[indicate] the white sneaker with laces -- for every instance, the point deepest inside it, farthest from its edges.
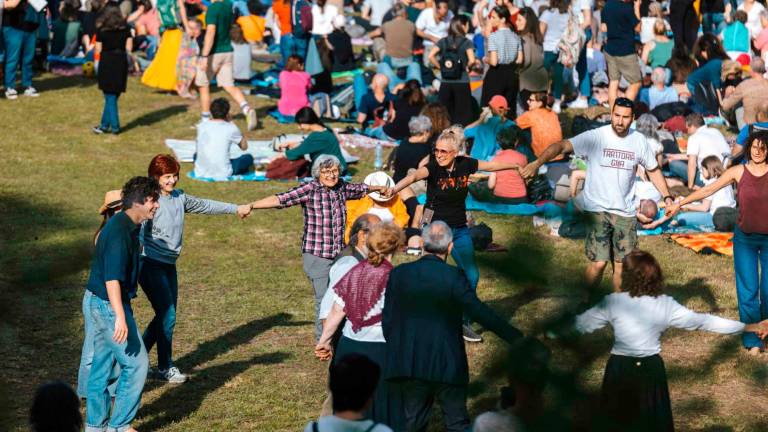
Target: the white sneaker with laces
(173, 375)
(579, 103)
(11, 94)
(556, 107)
(31, 92)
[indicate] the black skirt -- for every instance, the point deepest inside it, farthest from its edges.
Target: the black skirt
(113, 72)
(501, 80)
(635, 395)
(387, 406)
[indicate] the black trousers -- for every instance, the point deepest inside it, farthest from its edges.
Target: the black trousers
(457, 97)
(684, 23)
(501, 80)
(420, 395)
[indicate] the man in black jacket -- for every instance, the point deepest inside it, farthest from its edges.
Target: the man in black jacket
(422, 323)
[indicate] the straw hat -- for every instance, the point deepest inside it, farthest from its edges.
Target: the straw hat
(112, 199)
(378, 178)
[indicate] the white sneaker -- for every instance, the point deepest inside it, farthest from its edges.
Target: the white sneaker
(579, 103)
(31, 92)
(556, 107)
(173, 375)
(11, 94)
(250, 119)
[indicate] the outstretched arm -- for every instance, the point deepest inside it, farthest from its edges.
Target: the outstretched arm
(323, 349)
(266, 203)
(547, 155)
(731, 175)
(496, 165)
(419, 174)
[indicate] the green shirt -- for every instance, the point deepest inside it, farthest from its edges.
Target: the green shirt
(65, 35)
(316, 144)
(220, 14)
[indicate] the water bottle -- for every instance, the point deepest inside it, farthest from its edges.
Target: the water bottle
(377, 163)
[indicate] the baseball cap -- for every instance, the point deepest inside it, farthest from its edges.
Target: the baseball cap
(498, 102)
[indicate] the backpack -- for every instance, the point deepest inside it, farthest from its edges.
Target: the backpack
(571, 42)
(539, 189)
(301, 18)
(451, 66)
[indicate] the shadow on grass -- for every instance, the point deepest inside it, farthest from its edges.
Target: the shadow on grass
(153, 117)
(37, 256)
(57, 82)
(553, 394)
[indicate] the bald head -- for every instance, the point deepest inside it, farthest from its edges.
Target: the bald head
(757, 65)
(379, 81)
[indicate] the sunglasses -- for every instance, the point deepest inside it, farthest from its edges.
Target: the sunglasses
(443, 152)
(624, 102)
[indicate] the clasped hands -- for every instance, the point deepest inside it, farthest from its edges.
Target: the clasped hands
(761, 328)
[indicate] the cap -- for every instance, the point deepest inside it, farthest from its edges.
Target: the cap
(112, 199)
(498, 102)
(378, 178)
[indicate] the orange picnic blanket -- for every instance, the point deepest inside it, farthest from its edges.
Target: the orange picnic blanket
(718, 242)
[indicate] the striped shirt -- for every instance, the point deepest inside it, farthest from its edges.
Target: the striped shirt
(325, 214)
(506, 44)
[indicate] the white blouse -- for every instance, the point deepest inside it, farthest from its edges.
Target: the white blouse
(638, 322)
(322, 19)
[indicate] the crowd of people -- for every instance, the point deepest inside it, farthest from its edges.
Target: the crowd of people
(666, 97)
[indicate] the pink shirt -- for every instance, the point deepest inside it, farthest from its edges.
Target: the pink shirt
(509, 183)
(151, 21)
(761, 41)
(293, 92)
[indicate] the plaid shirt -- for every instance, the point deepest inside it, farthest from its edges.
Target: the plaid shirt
(325, 214)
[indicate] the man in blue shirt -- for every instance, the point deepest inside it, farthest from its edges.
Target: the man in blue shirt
(113, 281)
(621, 20)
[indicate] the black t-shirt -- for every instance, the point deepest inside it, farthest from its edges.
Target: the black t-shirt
(22, 17)
(712, 6)
(447, 191)
(113, 40)
(619, 17)
(372, 108)
(343, 56)
(404, 112)
(408, 156)
(323, 83)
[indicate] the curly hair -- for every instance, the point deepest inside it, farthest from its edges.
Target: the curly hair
(641, 275)
(438, 115)
(138, 189)
(383, 239)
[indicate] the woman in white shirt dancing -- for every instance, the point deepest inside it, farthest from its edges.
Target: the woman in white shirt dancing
(635, 394)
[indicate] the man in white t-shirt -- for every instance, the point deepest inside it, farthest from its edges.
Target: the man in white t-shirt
(432, 25)
(613, 153)
(221, 146)
(703, 141)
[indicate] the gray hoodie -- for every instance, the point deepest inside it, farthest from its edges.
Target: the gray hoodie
(162, 236)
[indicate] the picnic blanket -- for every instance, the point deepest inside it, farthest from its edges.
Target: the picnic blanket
(362, 141)
(251, 176)
(706, 243)
(546, 208)
(74, 61)
(261, 150)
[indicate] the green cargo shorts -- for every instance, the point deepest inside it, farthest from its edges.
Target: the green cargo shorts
(610, 237)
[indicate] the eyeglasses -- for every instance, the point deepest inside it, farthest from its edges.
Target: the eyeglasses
(330, 172)
(443, 152)
(624, 102)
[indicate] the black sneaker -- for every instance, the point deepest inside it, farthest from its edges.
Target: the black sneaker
(470, 335)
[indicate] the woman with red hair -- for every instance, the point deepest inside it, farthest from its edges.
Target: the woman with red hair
(162, 239)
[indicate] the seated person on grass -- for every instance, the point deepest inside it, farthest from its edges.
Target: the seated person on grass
(492, 120)
(221, 146)
(320, 140)
(503, 187)
(386, 209)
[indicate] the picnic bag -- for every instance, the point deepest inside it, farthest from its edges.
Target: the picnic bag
(539, 189)
(451, 66)
(571, 42)
(284, 169)
(301, 16)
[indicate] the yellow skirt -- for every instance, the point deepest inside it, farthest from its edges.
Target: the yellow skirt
(161, 73)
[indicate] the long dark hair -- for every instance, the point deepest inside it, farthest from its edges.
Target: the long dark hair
(412, 94)
(308, 116)
(503, 13)
(531, 25)
(456, 28)
(758, 136)
(709, 44)
(111, 18)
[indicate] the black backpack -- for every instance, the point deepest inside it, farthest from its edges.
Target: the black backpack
(451, 65)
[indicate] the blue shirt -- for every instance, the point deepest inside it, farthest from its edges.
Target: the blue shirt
(709, 73)
(619, 17)
(744, 132)
(657, 97)
(116, 258)
(485, 145)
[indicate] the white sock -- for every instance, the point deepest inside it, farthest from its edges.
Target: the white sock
(206, 115)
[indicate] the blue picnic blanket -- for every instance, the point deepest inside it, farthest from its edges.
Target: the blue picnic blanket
(251, 176)
(548, 208)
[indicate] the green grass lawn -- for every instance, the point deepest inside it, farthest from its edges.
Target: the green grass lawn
(244, 328)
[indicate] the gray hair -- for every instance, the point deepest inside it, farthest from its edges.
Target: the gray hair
(419, 124)
(437, 237)
(648, 125)
(324, 161)
(757, 64)
(659, 76)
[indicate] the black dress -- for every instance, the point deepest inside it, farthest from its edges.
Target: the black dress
(113, 67)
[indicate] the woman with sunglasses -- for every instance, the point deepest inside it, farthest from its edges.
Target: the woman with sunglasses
(447, 174)
(750, 237)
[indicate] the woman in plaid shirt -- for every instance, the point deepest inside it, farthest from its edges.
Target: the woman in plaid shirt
(324, 203)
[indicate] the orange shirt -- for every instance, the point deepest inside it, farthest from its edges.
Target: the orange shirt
(545, 128)
(283, 11)
(509, 183)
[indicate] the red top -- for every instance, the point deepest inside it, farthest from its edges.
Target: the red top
(753, 203)
(509, 183)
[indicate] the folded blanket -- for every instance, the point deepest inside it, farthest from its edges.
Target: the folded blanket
(67, 60)
(261, 150)
(251, 176)
(716, 242)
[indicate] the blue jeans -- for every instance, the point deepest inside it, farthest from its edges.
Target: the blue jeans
(679, 169)
(464, 254)
(289, 45)
(133, 361)
(242, 164)
(555, 71)
(360, 88)
(378, 133)
(160, 283)
(713, 23)
(110, 118)
(585, 81)
(413, 71)
(19, 47)
(86, 357)
(750, 261)
(694, 218)
(241, 6)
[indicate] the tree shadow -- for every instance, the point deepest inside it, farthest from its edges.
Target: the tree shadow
(694, 288)
(153, 117)
(181, 401)
(59, 82)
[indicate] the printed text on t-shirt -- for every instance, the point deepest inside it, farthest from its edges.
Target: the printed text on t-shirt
(620, 159)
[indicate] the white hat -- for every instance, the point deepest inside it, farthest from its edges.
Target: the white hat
(378, 178)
